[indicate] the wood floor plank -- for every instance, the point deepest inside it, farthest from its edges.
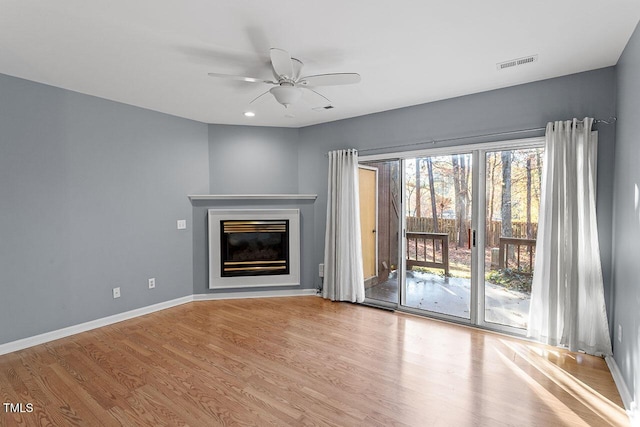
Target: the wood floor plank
(302, 361)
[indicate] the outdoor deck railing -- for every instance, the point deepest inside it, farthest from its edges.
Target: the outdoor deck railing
(422, 250)
(504, 252)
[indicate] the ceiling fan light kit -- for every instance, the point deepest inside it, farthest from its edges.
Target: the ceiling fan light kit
(289, 83)
(286, 95)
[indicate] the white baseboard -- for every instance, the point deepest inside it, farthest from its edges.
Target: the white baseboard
(630, 406)
(93, 324)
(87, 326)
(256, 294)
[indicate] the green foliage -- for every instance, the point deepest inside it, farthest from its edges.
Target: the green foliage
(510, 279)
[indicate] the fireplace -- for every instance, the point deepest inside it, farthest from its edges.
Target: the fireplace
(253, 247)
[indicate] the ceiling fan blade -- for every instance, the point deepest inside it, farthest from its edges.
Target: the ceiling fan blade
(258, 97)
(316, 96)
(333, 79)
(297, 68)
(281, 62)
(241, 78)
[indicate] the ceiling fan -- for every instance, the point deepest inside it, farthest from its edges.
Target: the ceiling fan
(289, 83)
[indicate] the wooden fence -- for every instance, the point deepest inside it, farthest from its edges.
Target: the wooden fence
(450, 226)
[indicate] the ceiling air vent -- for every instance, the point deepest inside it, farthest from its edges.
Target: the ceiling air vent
(516, 62)
(326, 107)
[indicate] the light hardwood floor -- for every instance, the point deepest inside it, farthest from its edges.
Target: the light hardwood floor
(302, 361)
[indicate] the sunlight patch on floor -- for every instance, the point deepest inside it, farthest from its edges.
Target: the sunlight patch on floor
(596, 402)
(552, 402)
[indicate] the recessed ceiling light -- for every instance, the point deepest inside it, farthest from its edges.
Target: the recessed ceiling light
(249, 113)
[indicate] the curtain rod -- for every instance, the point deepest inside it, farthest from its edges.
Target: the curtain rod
(608, 121)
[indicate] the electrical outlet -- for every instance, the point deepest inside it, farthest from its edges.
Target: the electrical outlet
(116, 292)
(182, 224)
(152, 283)
(321, 270)
(619, 332)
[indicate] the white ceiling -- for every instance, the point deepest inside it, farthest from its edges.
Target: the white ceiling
(156, 53)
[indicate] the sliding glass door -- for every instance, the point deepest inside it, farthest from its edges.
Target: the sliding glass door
(513, 180)
(455, 232)
(438, 237)
(380, 217)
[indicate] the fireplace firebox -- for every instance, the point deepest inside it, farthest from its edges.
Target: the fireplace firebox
(254, 248)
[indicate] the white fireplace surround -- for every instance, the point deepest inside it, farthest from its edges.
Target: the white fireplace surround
(216, 281)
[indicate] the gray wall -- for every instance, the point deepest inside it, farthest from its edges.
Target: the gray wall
(520, 107)
(626, 265)
(90, 191)
(253, 160)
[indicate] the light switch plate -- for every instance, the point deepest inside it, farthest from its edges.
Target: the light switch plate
(182, 224)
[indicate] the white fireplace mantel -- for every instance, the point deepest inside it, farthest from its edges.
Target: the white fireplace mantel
(197, 197)
(215, 218)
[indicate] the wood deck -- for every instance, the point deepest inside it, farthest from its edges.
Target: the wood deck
(302, 361)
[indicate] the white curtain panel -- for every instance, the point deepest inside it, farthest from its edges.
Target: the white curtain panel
(343, 275)
(567, 298)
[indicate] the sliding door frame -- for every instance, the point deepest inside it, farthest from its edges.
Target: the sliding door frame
(478, 226)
